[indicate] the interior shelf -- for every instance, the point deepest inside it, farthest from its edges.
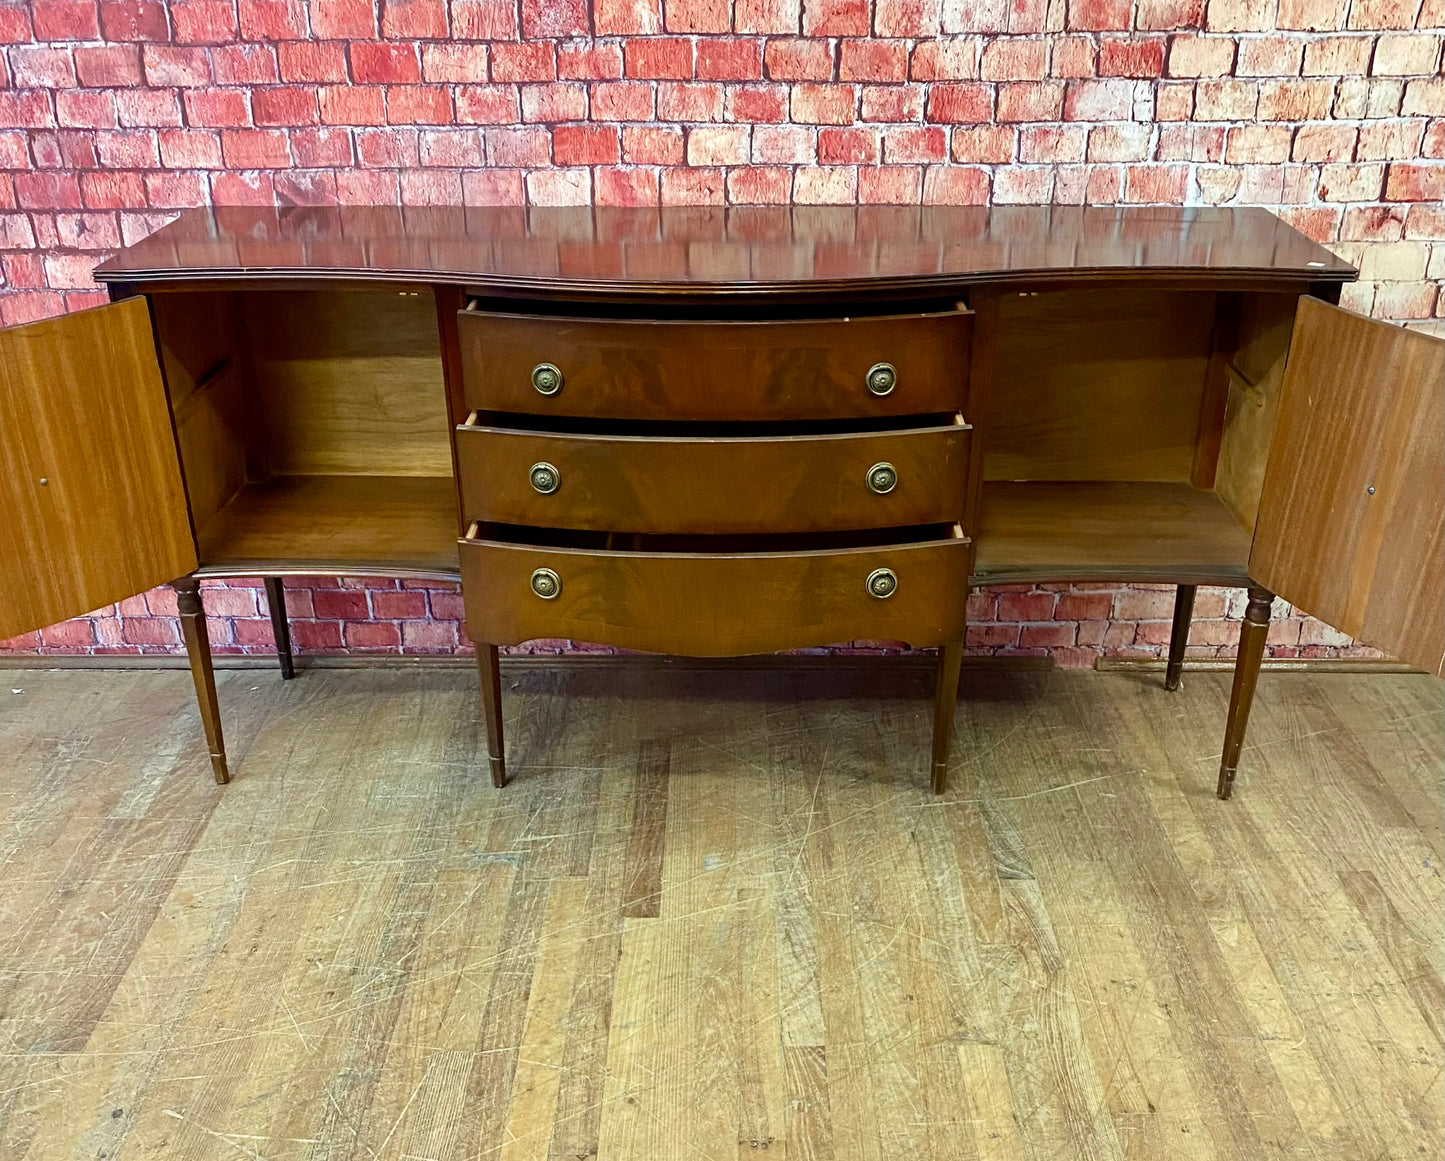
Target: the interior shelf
(356, 525)
(1165, 532)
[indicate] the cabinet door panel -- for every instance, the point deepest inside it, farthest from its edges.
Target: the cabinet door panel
(1352, 518)
(91, 499)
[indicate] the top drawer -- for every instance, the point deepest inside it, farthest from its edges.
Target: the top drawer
(646, 369)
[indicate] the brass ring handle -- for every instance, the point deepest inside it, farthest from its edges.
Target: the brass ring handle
(882, 378)
(882, 478)
(546, 378)
(545, 477)
(546, 583)
(882, 583)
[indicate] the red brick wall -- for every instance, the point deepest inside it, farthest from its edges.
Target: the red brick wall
(116, 114)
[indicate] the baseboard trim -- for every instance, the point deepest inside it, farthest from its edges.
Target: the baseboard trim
(1274, 665)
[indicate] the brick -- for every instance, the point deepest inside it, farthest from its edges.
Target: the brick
(1225, 100)
(1405, 54)
(1201, 56)
(1014, 59)
(627, 17)
(759, 185)
(1387, 14)
(914, 144)
(689, 102)
(344, 19)
(1373, 224)
(1415, 183)
(189, 149)
(1425, 222)
(492, 187)
(147, 108)
(1104, 100)
(945, 60)
(1294, 100)
(1314, 143)
(658, 58)
(622, 101)
(693, 187)
(848, 146)
(1024, 185)
(1240, 15)
(217, 107)
(143, 20)
(1394, 262)
(41, 67)
(81, 109)
(519, 147)
(825, 185)
(255, 148)
(960, 103)
(319, 61)
(560, 101)
(127, 149)
(314, 148)
(111, 66)
(1395, 300)
(1155, 184)
(1051, 143)
(720, 145)
(284, 106)
(489, 104)
(798, 60)
(523, 62)
(353, 105)
(767, 15)
(1258, 145)
(1334, 56)
(404, 19)
(586, 145)
(1098, 15)
(389, 148)
(1031, 101)
(890, 185)
(203, 21)
(1391, 140)
(824, 104)
(25, 110)
(756, 103)
(1420, 98)
(589, 61)
(1073, 56)
(873, 60)
(1311, 15)
(985, 145)
(1167, 15)
(662, 145)
(1218, 185)
(272, 19)
(835, 18)
(1269, 56)
(454, 63)
(891, 103)
(380, 64)
(418, 104)
(950, 185)
(1131, 58)
(112, 191)
(784, 144)
(450, 147)
(62, 20)
(1351, 183)
(696, 15)
(245, 64)
(619, 187)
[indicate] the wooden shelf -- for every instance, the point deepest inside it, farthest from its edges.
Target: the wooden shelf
(350, 525)
(1169, 533)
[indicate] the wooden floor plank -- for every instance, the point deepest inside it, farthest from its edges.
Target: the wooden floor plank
(718, 915)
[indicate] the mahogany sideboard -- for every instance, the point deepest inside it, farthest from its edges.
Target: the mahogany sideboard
(729, 431)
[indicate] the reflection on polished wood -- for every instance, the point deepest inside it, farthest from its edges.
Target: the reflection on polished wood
(1108, 531)
(312, 523)
(719, 918)
(738, 250)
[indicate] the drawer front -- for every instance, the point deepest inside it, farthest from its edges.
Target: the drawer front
(625, 369)
(715, 604)
(813, 483)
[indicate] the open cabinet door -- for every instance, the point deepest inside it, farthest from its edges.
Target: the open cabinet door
(92, 508)
(1351, 522)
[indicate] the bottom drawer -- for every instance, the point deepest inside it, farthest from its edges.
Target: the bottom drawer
(715, 596)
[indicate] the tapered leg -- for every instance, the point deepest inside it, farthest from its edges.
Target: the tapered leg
(198, 648)
(1179, 636)
(280, 626)
(491, 690)
(1252, 635)
(950, 658)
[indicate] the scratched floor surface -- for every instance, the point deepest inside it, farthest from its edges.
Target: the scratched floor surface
(718, 916)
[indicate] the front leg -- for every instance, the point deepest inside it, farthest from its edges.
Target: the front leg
(950, 660)
(1252, 636)
(490, 682)
(203, 673)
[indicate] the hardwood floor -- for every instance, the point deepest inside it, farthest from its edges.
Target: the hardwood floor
(719, 915)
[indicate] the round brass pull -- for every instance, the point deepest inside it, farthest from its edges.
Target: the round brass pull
(546, 583)
(882, 583)
(882, 478)
(882, 378)
(545, 478)
(546, 378)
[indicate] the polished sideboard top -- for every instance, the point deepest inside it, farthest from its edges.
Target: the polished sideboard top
(734, 250)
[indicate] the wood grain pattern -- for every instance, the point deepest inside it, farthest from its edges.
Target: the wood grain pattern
(797, 483)
(1096, 531)
(91, 500)
(1352, 518)
(715, 603)
(359, 939)
(310, 524)
(1097, 385)
(677, 370)
(742, 250)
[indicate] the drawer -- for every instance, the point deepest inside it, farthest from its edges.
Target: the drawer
(714, 597)
(809, 482)
(643, 369)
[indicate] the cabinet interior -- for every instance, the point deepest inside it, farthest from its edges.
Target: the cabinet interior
(1126, 433)
(312, 427)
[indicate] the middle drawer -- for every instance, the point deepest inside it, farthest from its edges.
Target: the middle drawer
(715, 484)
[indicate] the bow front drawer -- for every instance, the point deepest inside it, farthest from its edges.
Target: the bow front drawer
(714, 596)
(648, 369)
(715, 484)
